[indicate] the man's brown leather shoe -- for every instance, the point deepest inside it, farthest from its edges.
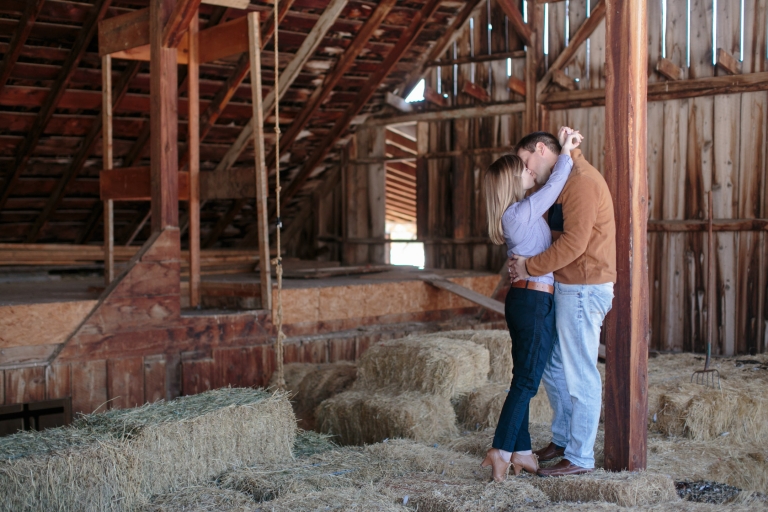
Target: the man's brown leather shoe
(550, 452)
(563, 468)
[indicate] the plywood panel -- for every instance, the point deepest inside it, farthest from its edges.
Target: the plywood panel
(125, 382)
(58, 382)
(154, 378)
(41, 324)
(25, 385)
(89, 386)
(342, 349)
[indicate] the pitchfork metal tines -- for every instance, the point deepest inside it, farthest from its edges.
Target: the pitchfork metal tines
(707, 377)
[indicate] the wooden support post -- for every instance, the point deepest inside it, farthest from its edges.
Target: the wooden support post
(422, 180)
(626, 386)
(377, 177)
(193, 149)
(262, 213)
(532, 65)
(106, 141)
(163, 121)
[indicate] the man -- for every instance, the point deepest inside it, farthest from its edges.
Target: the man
(583, 259)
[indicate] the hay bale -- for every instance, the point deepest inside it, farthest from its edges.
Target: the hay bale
(436, 366)
(499, 346)
(309, 443)
(321, 382)
(201, 499)
(352, 499)
(293, 373)
(464, 335)
(481, 408)
(359, 417)
(626, 489)
(116, 460)
(703, 413)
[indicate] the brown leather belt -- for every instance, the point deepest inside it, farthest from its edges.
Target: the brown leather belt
(534, 285)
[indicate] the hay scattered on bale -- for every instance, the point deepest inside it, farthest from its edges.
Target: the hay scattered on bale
(428, 494)
(358, 417)
(201, 499)
(321, 382)
(309, 443)
(464, 335)
(704, 413)
(436, 366)
(499, 346)
(626, 489)
(118, 459)
(481, 408)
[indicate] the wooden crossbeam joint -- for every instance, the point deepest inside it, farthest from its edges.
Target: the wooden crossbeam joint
(133, 184)
(728, 62)
(476, 92)
(669, 69)
(432, 96)
(516, 85)
(560, 79)
(522, 29)
(398, 103)
(178, 23)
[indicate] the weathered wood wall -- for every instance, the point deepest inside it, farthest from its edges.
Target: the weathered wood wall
(694, 145)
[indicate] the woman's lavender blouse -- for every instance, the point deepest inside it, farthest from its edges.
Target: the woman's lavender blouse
(525, 230)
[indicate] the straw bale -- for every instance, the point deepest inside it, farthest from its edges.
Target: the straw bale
(626, 489)
(293, 373)
(309, 443)
(201, 499)
(116, 460)
(499, 346)
(481, 408)
(321, 382)
(464, 335)
(359, 417)
(705, 413)
(437, 366)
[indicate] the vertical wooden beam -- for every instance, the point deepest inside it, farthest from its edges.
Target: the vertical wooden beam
(533, 58)
(626, 391)
(377, 179)
(163, 121)
(422, 180)
(106, 143)
(193, 149)
(262, 213)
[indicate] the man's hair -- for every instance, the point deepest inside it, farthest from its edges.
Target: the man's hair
(529, 142)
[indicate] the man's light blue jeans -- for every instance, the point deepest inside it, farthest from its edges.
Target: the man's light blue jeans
(571, 378)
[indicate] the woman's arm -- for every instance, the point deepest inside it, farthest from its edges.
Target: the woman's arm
(543, 199)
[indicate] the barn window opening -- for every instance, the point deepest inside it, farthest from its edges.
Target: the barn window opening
(417, 94)
(35, 416)
(400, 200)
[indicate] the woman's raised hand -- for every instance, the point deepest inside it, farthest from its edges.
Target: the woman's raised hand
(569, 139)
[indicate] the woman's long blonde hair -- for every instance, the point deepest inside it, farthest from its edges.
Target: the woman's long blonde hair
(503, 187)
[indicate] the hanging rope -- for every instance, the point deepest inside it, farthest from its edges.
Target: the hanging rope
(278, 261)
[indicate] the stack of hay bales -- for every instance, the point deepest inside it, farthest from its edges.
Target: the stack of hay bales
(404, 388)
(310, 384)
(117, 460)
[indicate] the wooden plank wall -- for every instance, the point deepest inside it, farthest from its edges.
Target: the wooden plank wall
(694, 145)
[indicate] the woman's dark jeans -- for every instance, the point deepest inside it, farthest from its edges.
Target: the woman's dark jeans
(530, 317)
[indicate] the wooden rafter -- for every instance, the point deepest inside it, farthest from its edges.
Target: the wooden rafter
(87, 147)
(512, 10)
(407, 38)
(287, 77)
(569, 52)
(321, 93)
(183, 13)
(68, 69)
(471, 9)
(18, 39)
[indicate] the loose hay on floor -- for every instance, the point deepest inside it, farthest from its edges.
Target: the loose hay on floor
(321, 382)
(626, 489)
(436, 366)
(350, 499)
(359, 417)
(201, 499)
(116, 460)
(478, 443)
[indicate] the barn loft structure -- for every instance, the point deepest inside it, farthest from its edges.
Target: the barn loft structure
(138, 173)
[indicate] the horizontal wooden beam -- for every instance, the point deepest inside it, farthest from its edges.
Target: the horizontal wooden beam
(495, 109)
(494, 57)
(133, 184)
(224, 40)
(688, 226)
(662, 91)
(235, 4)
(124, 32)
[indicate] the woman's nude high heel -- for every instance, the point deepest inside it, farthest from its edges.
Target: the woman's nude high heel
(529, 462)
(500, 468)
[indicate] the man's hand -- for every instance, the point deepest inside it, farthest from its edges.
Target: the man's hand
(517, 270)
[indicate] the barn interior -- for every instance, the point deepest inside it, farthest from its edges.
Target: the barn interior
(198, 195)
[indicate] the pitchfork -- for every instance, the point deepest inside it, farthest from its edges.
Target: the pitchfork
(709, 377)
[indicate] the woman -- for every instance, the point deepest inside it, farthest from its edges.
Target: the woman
(529, 308)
